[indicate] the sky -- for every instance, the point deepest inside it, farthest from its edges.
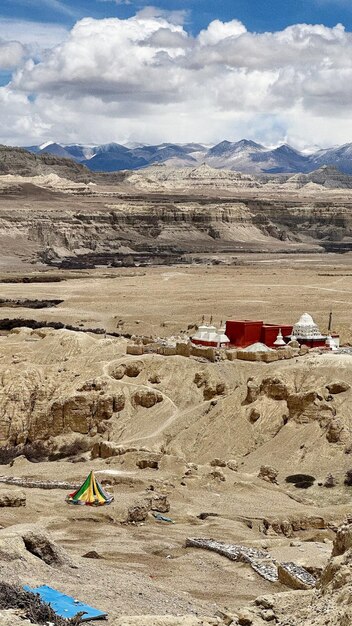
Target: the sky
(98, 71)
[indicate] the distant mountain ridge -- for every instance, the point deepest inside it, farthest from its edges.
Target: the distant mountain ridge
(243, 156)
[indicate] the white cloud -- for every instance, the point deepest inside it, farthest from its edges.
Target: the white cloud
(11, 54)
(146, 78)
(35, 35)
(217, 31)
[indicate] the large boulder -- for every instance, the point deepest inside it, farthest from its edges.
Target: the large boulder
(253, 391)
(118, 371)
(146, 398)
(343, 540)
(41, 545)
(338, 386)
(308, 406)
(268, 473)
(139, 510)
(336, 432)
(159, 502)
(274, 388)
(134, 368)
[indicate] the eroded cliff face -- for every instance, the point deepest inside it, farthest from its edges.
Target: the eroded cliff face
(84, 231)
(56, 385)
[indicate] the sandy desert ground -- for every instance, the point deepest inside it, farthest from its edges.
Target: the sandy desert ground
(145, 568)
(163, 301)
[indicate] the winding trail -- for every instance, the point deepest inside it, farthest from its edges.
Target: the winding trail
(170, 420)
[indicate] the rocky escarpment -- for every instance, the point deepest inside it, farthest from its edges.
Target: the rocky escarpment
(128, 220)
(302, 407)
(330, 604)
(60, 386)
(95, 231)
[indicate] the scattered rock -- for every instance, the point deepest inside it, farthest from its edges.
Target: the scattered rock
(150, 461)
(303, 350)
(336, 431)
(268, 473)
(118, 402)
(348, 478)
(294, 344)
(253, 391)
(245, 618)
(274, 388)
(213, 389)
(204, 516)
(118, 372)
(266, 602)
(232, 465)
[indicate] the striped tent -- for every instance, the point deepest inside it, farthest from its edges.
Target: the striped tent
(90, 493)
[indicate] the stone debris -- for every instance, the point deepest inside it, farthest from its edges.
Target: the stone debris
(231, 551)
(269, 571)
(296, 577)
(37, 484)
(260, 561)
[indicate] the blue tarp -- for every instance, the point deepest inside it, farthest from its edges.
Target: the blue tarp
(65, 606)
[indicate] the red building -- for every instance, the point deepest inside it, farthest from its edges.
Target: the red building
(243, 333)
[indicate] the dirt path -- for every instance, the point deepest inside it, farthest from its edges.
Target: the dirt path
(176, 414)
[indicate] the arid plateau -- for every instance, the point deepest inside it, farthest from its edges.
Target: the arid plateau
(251, 454)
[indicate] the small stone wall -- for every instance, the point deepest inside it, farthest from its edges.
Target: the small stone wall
(135, 349)
(188, 349)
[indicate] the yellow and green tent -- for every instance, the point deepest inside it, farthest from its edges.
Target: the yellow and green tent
(90, 493)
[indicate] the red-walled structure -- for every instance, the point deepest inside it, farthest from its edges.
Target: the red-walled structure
(243, 333)
(270, 332)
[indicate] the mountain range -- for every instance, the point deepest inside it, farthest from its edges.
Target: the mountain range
(243, 156)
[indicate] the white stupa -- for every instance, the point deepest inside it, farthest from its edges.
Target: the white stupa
(332, 342)
(306, 328)
(210, 335)
(222, 339)
(279, 341)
